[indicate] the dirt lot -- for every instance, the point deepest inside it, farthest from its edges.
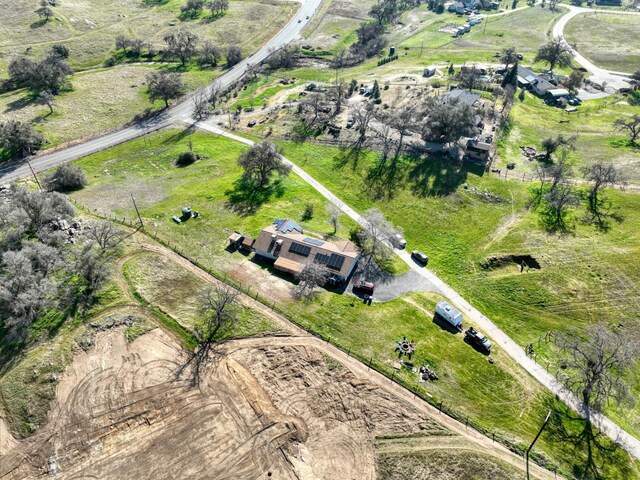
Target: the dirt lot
(268, 408)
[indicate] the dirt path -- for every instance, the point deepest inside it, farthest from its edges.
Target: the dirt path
(616, 433)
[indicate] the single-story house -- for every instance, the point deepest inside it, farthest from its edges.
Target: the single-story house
(464, 96)
(456, 7)
(477, 151)
(285, 243)
(538, 84)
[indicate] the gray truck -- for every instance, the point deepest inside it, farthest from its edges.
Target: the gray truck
(477, 339)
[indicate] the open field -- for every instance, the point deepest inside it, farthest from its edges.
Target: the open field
(334, 26)
(524, 30)
(161, 190)
(533, 121)
(176, 291)
(610, 41)
(100, 100)
(89, 29)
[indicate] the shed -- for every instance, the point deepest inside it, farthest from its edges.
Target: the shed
(449, 313)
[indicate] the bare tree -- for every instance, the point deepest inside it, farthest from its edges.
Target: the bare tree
(92, 266)
(602, 175)
(596, 365)
(553, 4)
(218, 7)
(630, 125)
(261, 161)
(181, 44)
(214, 95)
(209, 55)
(334, 216)
(201, 105)
(551, 144)
(449, 120)
(362, 114)
(337, 94)
(220, 312)
(313, 275)
(106, 235)
(375, 232)
(558, 202)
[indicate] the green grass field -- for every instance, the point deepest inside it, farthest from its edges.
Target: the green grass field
(533, 121)
(176, 291)
(89, 28)
(608, 40)
(469, 385)
(524, 30)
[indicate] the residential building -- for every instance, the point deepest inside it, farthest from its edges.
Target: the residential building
(285, 243)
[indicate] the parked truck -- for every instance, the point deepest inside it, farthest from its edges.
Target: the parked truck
(477, 339)
(450, 314)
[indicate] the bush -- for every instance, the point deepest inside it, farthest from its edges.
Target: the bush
(67, 178)
(186, 158)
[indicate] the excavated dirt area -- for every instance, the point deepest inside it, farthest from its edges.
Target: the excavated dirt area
(120, 413)
(268, 408)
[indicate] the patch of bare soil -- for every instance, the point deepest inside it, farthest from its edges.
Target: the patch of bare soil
(120, 413)
(7, 442)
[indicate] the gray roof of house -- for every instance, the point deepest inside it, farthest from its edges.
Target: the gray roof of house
(463, 96)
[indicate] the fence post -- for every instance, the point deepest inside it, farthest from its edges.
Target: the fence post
(440, 406)
(369, 366)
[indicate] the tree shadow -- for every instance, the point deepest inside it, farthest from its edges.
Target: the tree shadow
(181, 135)
(437, 176)
(154, 3)
(247, 195)
(19, 103)
(591, 451)
(212, 17)
(602, 218)
(384, 178)
(40, 23)
(553, 223)
(189, 15)
(346, 156)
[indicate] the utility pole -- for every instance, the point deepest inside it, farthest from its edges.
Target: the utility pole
(34, 174)
(137, 211)
(546, 420)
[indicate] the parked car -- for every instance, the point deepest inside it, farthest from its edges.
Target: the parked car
(477, 339)
(364, 286)
(420, 256)
(350, 122)
(252, 123)
(398, 241)
(519, 56)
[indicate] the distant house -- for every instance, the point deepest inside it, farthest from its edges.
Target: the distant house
(429, 72)
(477, 151)
(456, 7)
(285, 243)
(538, 84)
(464, 96)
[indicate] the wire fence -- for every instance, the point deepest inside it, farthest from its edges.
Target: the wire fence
(444, 405)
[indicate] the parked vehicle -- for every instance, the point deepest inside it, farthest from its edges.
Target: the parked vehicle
(398, 241)
(350, 122)
(420, 257)
(364, 287)
(477, 339)
(450, 314)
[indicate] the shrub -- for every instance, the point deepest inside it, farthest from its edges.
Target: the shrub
(66, 178)
(186, 158)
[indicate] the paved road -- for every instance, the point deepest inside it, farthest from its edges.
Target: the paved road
(473, 316)
(181, 111)
(599, 75)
